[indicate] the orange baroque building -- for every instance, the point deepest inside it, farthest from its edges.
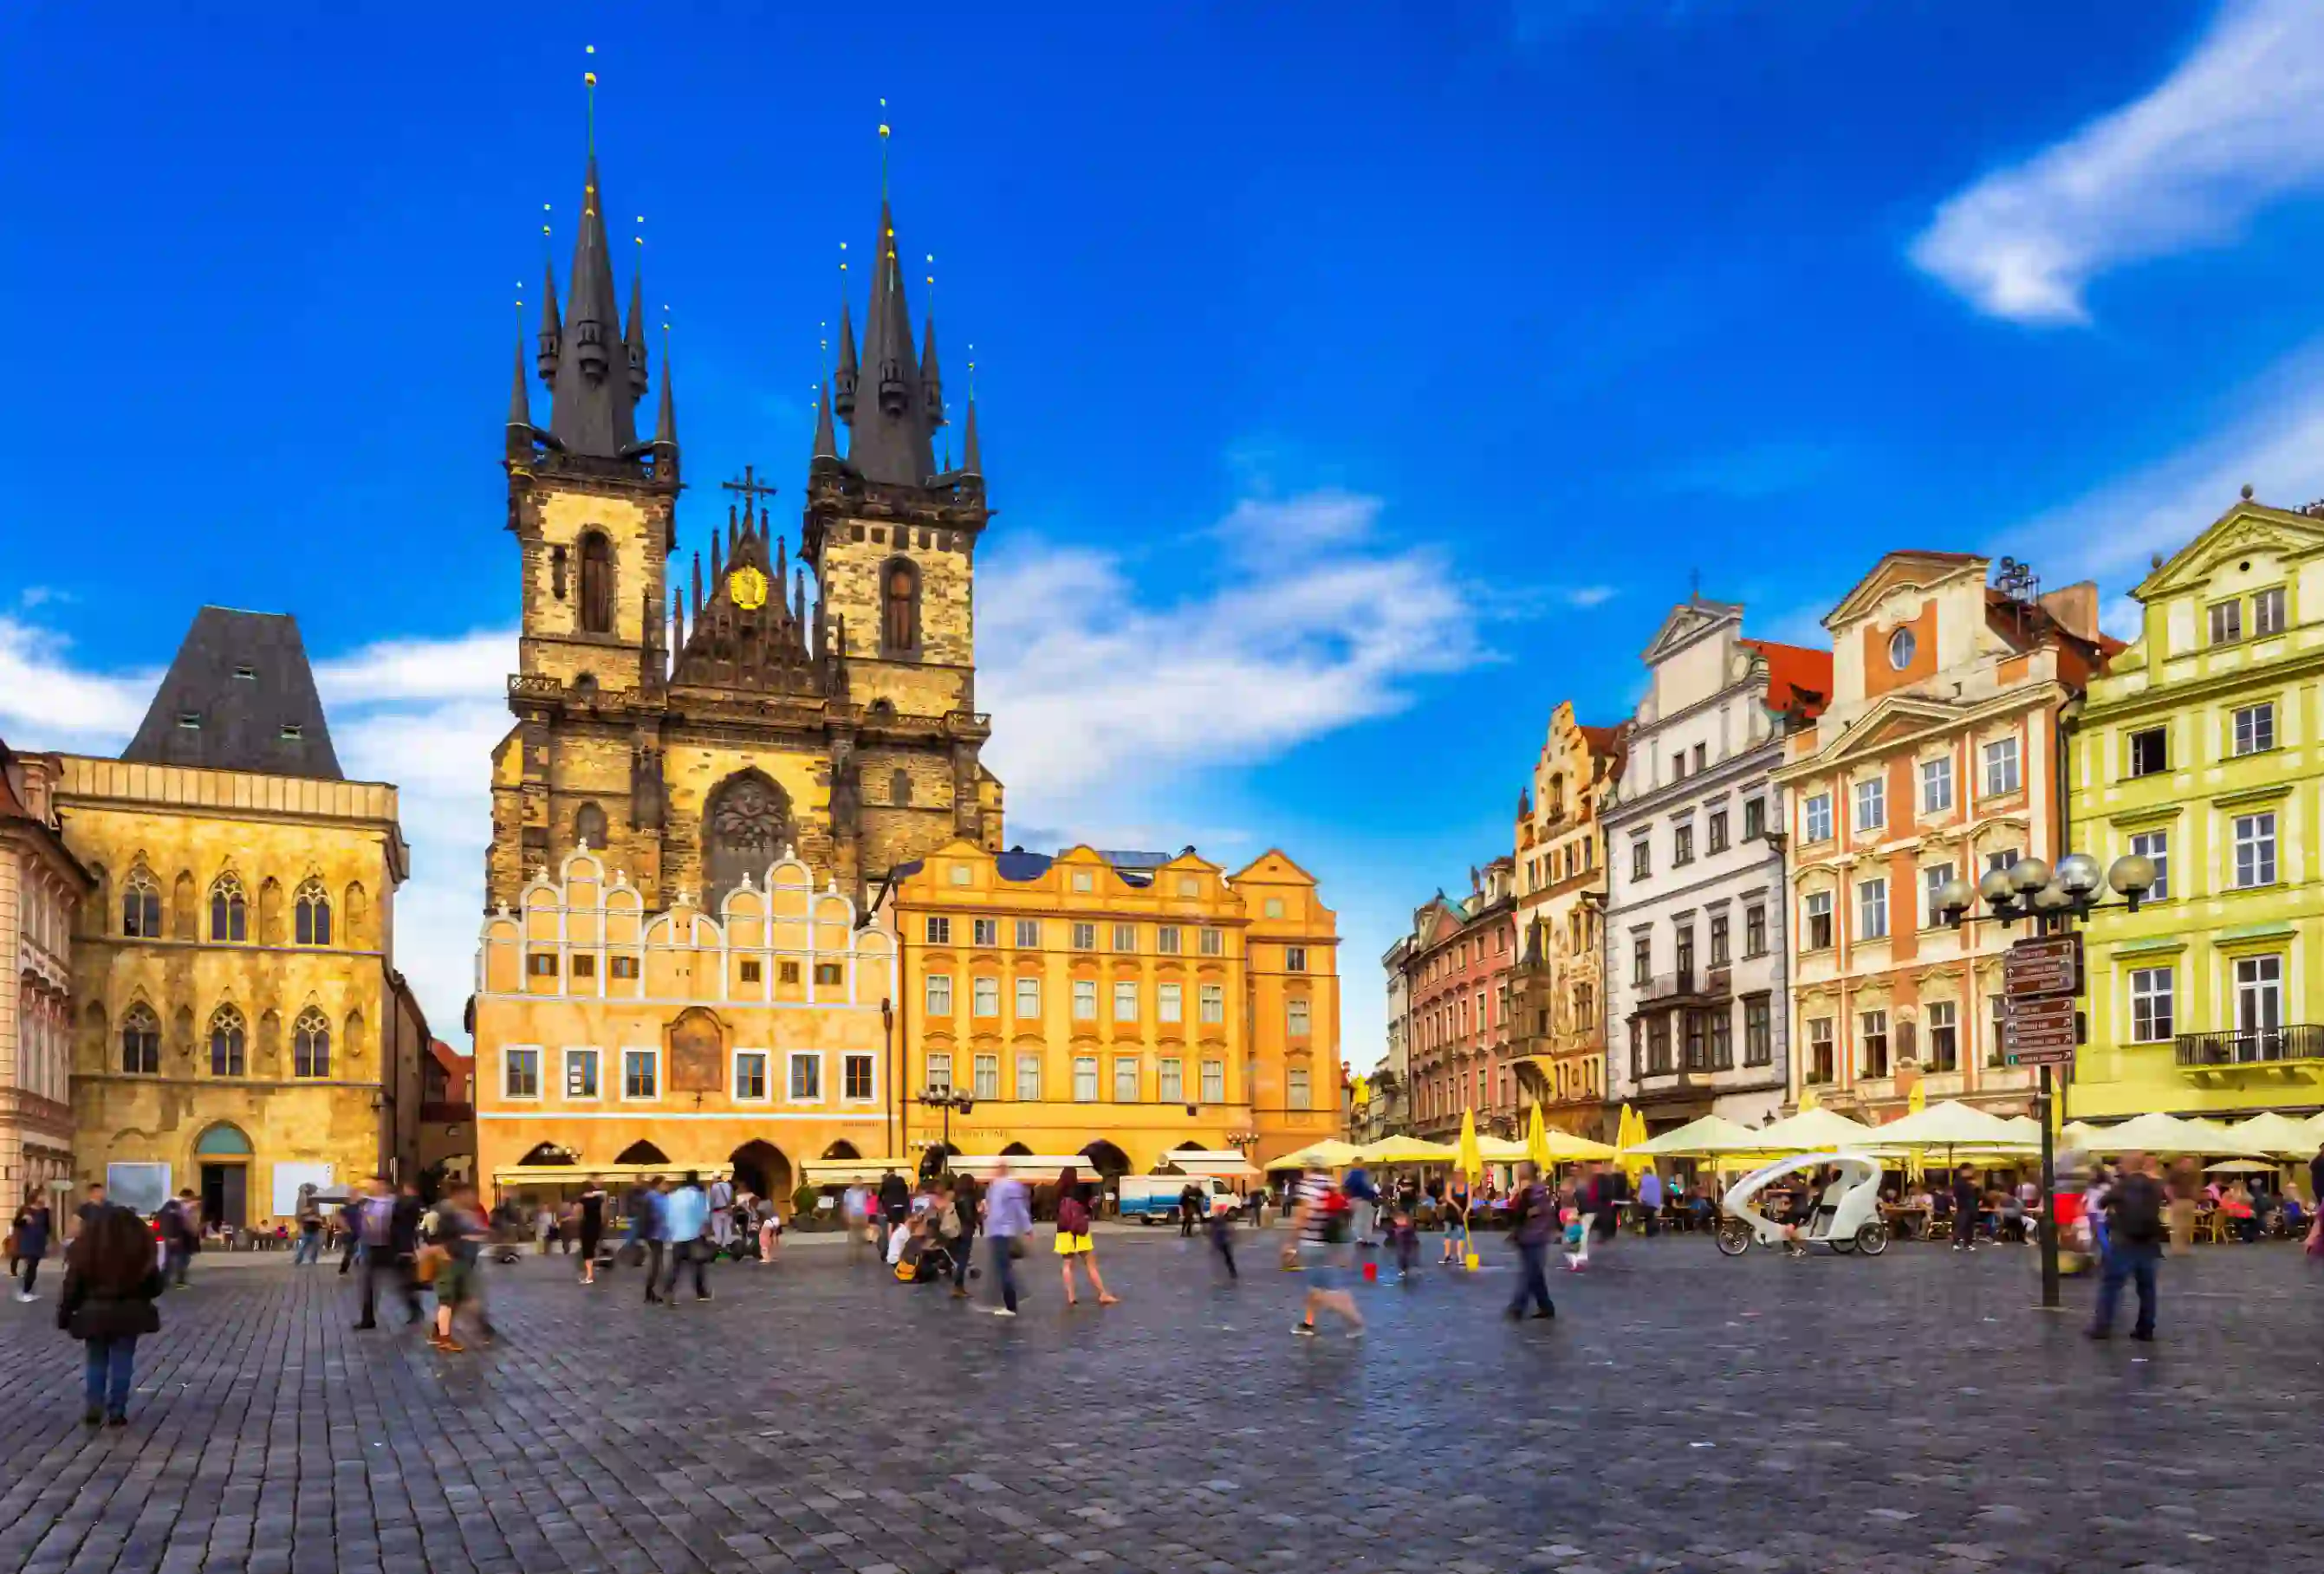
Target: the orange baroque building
(619, 1042)
(1938, 756)
(1120, 1005)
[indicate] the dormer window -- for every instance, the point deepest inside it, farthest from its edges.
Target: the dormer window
(247, 673)
(191, 721)
(292, 731)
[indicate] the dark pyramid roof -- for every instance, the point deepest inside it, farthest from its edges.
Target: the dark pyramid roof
(237, 686)
(971, 457)
(595, 411)
(889, 441)
(843, 393)
(826, 441)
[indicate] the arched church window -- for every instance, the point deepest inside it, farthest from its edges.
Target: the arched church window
(140, 1042)
(312, 921)
(744, 827)
(596, 583)
(311, 1045)
(899, 607)
(589, 827)
(229, 1038)
(229, 911)
(141, 905)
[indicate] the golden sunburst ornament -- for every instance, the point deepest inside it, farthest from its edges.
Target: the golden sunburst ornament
(747, 587)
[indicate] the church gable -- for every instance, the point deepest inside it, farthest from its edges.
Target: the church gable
(1688, 621)
(2248, 529)
(1913, 573)
(1890, 722)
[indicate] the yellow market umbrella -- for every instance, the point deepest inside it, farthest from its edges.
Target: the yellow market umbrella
(1467, 1159)
(1403, 1150)
(2155, 1132)
(1914, 1102)
(2240, 1167)
(1705, 1138)
(1331, 1154)
(1813, 1129)
(1951, 1123)
(2278, 1135)
(1809, 1099)
(2030, 1129)
(1537, 1141)
(1628, 1136)
(1500, 1150)
(1564, 1148)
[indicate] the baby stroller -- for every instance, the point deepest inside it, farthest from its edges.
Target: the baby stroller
(926, 1261)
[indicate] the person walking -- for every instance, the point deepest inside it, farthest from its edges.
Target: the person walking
(374, 1219)
(1650, 1202)
(721, 1199)
(111, 1283)
(2136, 1230)
(1221, 1225)
(1967, 1202)
(968, 1203)
(592, 1205)
(1363, 1200)
(1532, 1225)
(309, 1249)
(458, 1242)
(1456, 1221)
(1320, 1218)
(404, 1218)
(654, 1229)
(1007, 1221)
(1073, 1242)
(350, 1233)
(895, 1200)
(1190, 1204)
(181, 1235)
(687, 1219)
(15, 1237)
(1589, 1197)
(32, 1244)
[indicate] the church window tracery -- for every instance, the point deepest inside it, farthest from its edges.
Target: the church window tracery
(745, 825)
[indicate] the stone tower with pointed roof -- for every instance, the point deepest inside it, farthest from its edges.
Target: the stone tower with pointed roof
(693, 725)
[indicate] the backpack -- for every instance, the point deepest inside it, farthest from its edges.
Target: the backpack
(2138, 1210)
(1072, 1216)
(1338, 1216)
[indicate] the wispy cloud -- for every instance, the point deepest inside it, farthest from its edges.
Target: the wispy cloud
(2239, 124)
(2275, 445)
(35, 596)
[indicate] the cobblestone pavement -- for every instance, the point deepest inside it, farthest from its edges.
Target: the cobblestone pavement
(1683, 1411)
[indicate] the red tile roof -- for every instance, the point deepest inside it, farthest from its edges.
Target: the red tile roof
(1799, 678)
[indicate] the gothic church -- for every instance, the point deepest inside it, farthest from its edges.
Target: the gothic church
(694, 728)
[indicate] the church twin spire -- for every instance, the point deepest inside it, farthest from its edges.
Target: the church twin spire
(892, 399)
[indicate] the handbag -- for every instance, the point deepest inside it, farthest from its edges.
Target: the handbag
(1015, 1248)
(426, 1263)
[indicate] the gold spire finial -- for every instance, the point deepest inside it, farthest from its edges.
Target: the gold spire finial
(589, 82)
(884, 151)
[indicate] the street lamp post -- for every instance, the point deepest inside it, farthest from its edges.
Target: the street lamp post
(948, 1100)
(2054, 899)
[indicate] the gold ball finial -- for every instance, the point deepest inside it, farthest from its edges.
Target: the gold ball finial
(589, 78)
(883, 131)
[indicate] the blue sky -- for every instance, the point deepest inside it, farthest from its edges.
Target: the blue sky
(1356, 381)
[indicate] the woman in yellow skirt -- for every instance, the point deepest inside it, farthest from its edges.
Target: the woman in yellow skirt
(1073, 1237)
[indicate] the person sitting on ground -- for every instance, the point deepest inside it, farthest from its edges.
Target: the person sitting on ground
(899, 1236)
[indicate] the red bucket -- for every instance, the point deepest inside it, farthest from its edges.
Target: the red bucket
(1372, 1273)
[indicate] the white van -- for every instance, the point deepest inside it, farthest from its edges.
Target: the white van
(1147, 1198)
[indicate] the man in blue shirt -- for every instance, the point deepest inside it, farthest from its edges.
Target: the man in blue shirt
(1008, 1220)
(685, 1215)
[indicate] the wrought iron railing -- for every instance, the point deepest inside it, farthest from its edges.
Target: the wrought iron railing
(2252, 1046)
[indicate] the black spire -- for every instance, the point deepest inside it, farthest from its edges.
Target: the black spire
(552, 335)
(826, 441)
(972, 462)
(519, 416)
(931, 383)
(594, 413)
(664, 442)
(635, 340)
(891, 427)
(843, 389)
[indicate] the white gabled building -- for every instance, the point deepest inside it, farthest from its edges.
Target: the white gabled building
(1695, 951)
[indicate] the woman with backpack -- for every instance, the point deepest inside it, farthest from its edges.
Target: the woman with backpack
(1073, 1238)
(111, 1283)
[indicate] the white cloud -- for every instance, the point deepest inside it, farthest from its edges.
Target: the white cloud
(2109, 534)
(1586, 596)
(46, 704)
(2238, 125)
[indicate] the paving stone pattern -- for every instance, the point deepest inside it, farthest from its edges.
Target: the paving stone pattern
(1685, 1412)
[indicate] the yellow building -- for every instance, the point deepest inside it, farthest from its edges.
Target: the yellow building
(2199, 749)
(1118, 1005)
(242, 1031)
(618, 1041)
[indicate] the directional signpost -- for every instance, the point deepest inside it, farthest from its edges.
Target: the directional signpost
(2042, 978)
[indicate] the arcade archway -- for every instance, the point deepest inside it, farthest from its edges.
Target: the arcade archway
(761, 1170)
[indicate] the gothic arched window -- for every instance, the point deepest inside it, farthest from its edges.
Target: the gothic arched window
(140, 1042)
(596, 583)
(312, 923)
(141, 905)
(899, 607)
(311, 1045)
(228, 1041)
(589, 827)
(744, 827)
(229, 913)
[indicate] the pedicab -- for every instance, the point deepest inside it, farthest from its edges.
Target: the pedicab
(1847, 1217)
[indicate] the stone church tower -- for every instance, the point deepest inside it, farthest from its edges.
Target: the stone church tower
(694, 730)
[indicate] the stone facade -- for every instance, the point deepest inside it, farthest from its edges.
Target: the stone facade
(1938, 756)
(1557, 988)
(2200, 748)
(216, 1050)
(42, 888)
(617, 1039)
(1121, 1008)
(1695, 998)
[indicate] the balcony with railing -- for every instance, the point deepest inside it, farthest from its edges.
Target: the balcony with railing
(2252, 1047)
(1687, 987)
